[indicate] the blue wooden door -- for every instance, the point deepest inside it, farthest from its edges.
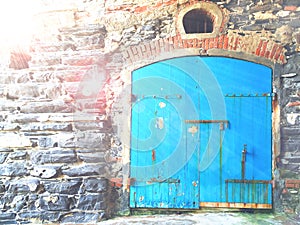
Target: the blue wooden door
(201, 134)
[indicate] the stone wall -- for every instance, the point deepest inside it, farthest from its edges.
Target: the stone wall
(65, 115)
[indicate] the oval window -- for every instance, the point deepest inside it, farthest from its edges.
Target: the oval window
(197, 21)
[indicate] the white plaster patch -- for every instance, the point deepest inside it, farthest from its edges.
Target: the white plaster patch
(162, 105)
(292, 117)
(159, 123)
(264, 15)
(283, 13)
(193, 130)
(14, 141)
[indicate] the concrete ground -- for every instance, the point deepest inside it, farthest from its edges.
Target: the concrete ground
(206, 218)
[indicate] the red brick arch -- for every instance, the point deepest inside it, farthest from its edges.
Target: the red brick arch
(251, 47)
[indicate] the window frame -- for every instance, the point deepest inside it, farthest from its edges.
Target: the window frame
(212, 10)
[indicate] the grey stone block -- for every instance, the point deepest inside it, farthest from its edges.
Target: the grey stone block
(5, 150)
(18, 155)
(45, 171)
(7, 216)
(89, 156)
(19, 202)
(53, 156)
(91, 202)
(3, 157)
(94, 185)
(23, 186)
(291, 2)
(54, 106)
(92, 140)
(43, 216)
(2, 187)
(9, 222)
(85, 170)
(290, 145)
(290, 131)
(13, 169)
(47, 127)
(45, 142)
(63, 187)
(57, 203)
(93, 125)
(82, 217)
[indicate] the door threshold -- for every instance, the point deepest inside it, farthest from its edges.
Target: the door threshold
(152, 211)
(235, 205)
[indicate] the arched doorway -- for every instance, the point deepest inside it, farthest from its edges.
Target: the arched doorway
(201, 134)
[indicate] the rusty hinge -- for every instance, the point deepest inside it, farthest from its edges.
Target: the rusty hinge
(118, 182)
(243, 163)
(137, 97)
(250, 95)
(169, 180)
(221, 122)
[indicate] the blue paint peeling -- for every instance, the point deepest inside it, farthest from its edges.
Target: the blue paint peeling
(179, 164)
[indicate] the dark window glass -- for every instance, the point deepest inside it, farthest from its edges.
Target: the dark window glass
(197, 21)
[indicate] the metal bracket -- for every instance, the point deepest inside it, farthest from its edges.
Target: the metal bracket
(168, 180)
(138, 97)
(240, 95)
(221, 122)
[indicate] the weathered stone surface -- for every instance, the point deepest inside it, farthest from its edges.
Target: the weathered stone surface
(23, 118)
(20, 91)
(2, 187)
(284, 34)
(290, 131)
(83, 60)
(5, 150)
(69, 187)
(23, 186)
(5, 199)
(7, 216)
(81, 217)
(19, 59)
(291, 2)
(85, 31)
(3, 156)
(46, 60)
(19, 140)
(293, 65)
(32, 198)
(45, 142)
(67, 140)
(94, 185)
(85, 38)
(76, 40)
(63, 140)
(13, 169)
(56, 203)
(47, 127)
(9, 126)
(294, 23)
(291, 145)
(9, 222)
(89, 125)
(85, 170)
(18, 155)
(92, 140)
(55, 106)
(90, 156)
(53, 156)
(43, 216)
(19, 202)
(91, 202)
(45, 171)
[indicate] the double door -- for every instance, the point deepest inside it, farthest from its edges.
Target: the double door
(201, 134)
